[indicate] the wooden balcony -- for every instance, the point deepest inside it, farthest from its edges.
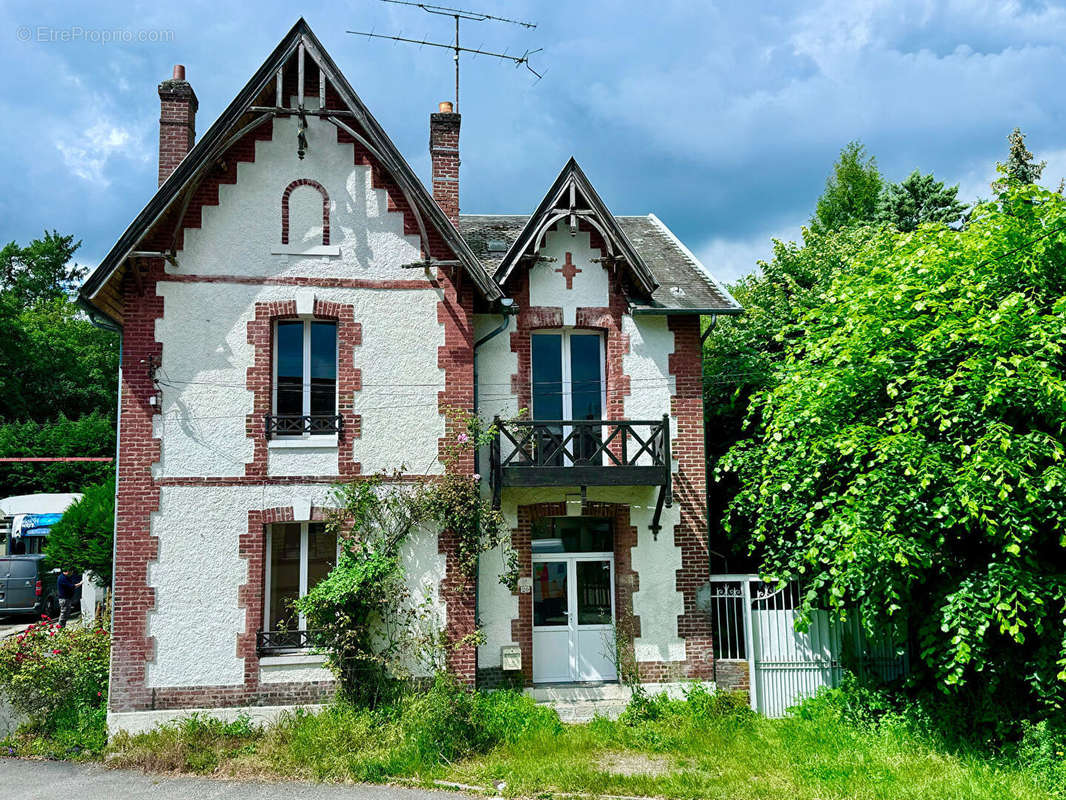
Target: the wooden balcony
(582, 453)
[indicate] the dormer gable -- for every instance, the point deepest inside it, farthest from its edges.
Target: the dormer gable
(573, 205)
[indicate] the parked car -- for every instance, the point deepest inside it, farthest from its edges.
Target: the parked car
(27, 587)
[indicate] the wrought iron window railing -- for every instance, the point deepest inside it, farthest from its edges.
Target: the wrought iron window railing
(302, 424)
(274, 642)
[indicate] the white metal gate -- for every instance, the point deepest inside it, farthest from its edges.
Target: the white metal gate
(756, 622)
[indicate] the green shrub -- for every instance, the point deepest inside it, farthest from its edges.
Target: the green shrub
(83, 539)
(449, 721)
(47, 672)
(699, 706)
(57, 679)
(506, 716)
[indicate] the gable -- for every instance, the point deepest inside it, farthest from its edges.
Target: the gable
(572, 200)
(156, 232)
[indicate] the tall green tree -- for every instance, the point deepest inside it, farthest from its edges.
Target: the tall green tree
(908, 461)
(741, 356)
(1021, 167)
(84, 536)
(42, 270)
(917, 199)
(58, 372)
(851, 191)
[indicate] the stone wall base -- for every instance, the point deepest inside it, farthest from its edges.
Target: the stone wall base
(134, 722)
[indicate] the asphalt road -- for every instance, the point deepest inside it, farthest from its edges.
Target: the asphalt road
(23, 779)
(10, 625)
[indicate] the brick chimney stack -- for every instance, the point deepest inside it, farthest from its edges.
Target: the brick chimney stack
(444, 151)
(177, 121)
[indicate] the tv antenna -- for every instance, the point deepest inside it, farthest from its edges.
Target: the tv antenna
(460, 14)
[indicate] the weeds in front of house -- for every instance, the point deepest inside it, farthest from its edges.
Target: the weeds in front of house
(56, 678)
(706, 745)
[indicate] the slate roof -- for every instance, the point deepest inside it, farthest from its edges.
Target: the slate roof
(685, 285)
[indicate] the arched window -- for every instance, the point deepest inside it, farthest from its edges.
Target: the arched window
(285, 208)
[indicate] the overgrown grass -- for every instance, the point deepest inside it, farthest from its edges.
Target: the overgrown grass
(708, 746)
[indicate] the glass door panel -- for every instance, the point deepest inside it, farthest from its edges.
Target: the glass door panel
(547, 368)
(290, 356)
(594, 606)
(284, 576)
(550, 594)
(321, 553)
(586, 394)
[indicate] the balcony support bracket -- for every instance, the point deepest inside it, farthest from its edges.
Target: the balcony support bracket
(657, 516)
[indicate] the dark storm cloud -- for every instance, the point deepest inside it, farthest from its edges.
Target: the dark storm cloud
(723, 119)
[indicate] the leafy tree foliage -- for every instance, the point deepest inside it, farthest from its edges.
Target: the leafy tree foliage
(741, 356)
(57, 371)
(1021, 166)
(908, 458)
(851, 192)
(917, 199)
(84, 536)
(53, 360)
(43, 270)
(91, 435)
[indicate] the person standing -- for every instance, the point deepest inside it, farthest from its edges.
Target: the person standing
(66, 588)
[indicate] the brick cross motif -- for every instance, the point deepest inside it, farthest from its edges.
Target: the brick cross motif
(568, 270)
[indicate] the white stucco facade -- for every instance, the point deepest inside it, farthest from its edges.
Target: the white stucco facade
(233, 262)
(658, 603)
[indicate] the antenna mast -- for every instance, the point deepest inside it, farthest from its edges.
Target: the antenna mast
(458, 14)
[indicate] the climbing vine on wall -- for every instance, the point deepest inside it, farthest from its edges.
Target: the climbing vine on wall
(376, 631)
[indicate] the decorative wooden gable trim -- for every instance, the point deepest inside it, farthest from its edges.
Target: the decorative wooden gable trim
(156, 230)
(573, 199)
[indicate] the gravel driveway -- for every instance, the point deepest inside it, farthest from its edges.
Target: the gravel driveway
(23, 779)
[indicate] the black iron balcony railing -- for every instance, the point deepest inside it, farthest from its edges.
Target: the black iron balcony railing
(582, 453)
(299, 425)
(274, 642)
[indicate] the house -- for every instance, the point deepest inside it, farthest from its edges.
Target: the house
(297, 309)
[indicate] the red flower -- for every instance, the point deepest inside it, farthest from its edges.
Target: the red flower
(56, 652)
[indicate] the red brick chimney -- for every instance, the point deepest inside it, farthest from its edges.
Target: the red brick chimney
(177, 121)
(444, 150)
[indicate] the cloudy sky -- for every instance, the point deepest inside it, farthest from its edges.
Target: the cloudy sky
(722, 118)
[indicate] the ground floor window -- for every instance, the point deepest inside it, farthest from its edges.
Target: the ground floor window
(298, 555)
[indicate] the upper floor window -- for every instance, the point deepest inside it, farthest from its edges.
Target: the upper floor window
(568, 385)
(305, 379)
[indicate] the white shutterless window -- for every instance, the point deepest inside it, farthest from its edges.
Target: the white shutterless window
(305, 376)
(298, 555)
(569, 383)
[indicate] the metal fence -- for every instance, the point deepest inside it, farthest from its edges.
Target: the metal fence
(756, 622)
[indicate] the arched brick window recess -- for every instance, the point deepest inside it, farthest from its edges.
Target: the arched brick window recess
(285, 208)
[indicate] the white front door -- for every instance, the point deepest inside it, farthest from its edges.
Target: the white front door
(573, 617)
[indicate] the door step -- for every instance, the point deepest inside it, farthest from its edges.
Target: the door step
(581, 702)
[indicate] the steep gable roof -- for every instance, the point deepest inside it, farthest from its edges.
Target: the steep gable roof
(573, 198)
(686, 286)
(227, 130)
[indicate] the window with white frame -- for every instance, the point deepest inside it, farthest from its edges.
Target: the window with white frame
(305, 379)
(298, 555)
